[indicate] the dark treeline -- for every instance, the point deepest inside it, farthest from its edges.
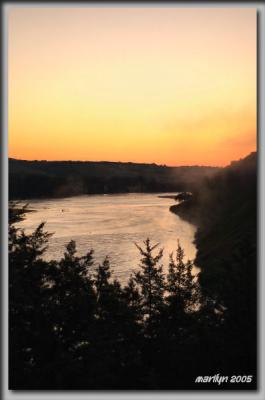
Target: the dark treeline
(39, 179)
(72, 326)
(225, 210)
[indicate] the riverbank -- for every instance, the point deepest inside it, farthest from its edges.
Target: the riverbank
(224, 209)
(186, 210)
(58, 179)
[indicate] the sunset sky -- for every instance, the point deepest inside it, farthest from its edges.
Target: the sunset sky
(143, 84)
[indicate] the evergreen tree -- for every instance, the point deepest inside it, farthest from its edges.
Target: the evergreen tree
(133, 299)
(29, 330)
(71, 328)
(151, 283)
(113, 310)
(72, 296)
(182, 287)
(117, 331)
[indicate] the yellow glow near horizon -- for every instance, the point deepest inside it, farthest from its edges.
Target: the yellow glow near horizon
(167, 85)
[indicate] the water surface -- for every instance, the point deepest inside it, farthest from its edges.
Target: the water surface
(111, 224)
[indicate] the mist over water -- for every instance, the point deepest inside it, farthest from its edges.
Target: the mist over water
(111, 224)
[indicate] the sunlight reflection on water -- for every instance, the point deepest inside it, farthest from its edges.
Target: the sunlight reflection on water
(111, 224)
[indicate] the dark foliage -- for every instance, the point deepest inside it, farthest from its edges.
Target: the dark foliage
(72, 326)
(39, 179)
(225, 210)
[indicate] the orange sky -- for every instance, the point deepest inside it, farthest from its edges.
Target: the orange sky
(167, 85)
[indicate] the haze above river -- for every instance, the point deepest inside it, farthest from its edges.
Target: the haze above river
(111, 224)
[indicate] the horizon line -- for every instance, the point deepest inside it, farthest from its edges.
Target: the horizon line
(119, 162)
(128, 162)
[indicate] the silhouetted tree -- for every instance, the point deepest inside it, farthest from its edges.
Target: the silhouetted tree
(72, 304)
(182, 288)
(151, 282)
(133, 299)
(72, 326)
(28, 327)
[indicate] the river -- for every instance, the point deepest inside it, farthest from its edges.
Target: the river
(111, 224)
